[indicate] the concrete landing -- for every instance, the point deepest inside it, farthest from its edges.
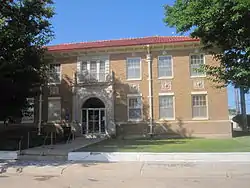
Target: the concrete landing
(58, 151)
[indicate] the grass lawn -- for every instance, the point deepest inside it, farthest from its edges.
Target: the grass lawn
(240, 144)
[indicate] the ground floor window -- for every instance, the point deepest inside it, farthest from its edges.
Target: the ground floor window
(28, 114)
(166, 105)
(199, 106)
(54, 109)
(134, 107)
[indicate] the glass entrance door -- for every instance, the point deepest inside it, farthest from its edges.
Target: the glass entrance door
(93, 121)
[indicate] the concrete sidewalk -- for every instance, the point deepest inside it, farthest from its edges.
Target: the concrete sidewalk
(154, 157)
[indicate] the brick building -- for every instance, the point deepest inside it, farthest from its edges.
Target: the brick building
(133, 86)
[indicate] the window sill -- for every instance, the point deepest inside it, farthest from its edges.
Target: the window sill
(134, 79)
(167, 119)
(166, 78)
(27, 121)
(58, 121)
(56, 83)
(197, 119)
(202, 76)
(135, 120)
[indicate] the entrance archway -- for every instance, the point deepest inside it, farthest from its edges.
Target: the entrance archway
(93, 116)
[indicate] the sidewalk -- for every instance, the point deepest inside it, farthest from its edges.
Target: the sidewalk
(158, 157)
(61, 149)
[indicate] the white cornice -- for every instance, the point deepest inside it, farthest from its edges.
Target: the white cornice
(127, 49)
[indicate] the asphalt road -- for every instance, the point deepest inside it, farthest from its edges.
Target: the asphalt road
(146, 175)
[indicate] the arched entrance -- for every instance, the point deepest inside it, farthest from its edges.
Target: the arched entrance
(93, 116)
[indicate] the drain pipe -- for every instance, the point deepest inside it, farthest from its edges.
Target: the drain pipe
(40, 112)
(150, 97)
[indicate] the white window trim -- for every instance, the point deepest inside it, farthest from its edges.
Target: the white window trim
(133, 79)
(167, 94)
(33, 99)
(204, 60)
(60, 77)
(134, 95)
(165, 77)
(88, 59)
(54, 98)
(200, 93)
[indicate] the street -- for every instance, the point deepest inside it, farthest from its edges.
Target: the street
(94, 175)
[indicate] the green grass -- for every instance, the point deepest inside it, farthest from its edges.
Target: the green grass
(240, 144)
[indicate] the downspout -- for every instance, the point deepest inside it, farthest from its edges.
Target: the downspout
(40, 112)
(150, 97)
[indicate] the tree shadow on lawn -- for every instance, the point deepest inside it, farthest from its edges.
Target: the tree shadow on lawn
(115, 145)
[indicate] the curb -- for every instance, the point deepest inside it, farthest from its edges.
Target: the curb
(158, 157)
(8, 155)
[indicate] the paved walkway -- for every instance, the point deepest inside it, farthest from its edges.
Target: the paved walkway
(146, 175)
(61, 149)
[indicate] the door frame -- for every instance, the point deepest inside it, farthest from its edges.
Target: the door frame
(87, 128)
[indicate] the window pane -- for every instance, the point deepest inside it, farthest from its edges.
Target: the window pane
(165, 66)
(166, 107)
(135, 114)
(84, 66)
(28, 114)
(199, 106)
(195, 63)
(135, 108)
(54, 73)
(133, 68)
(54, 111)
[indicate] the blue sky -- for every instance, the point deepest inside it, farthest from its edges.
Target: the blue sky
(88, 20)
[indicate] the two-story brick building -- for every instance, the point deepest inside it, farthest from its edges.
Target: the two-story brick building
(139, 86)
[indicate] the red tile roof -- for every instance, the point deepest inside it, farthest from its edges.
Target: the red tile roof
(121, 42)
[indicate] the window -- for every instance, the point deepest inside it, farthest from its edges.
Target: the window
(199, 104)
(166, 104)
(54, 109)
(196, 61)
(55, 73)
(93, 70)
(165, 68)
(134, 107)
(28, 114)
(134, 68)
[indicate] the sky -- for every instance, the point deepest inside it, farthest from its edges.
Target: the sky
(90, 20)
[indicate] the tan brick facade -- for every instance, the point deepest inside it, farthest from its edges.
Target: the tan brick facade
(181, 86)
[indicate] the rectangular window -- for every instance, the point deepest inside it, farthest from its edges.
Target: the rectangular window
(134, 108)
(199, 104)
(165, 68)
(54, 109)
(166, 104)
(196, 61)
(55, 73)
(134, 68)
(28, 114)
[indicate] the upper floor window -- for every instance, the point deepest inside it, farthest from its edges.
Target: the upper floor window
(166, 104)
(55, 73)
(93, 70)
(199, 105)
(134, 68)
(196, 61)
(165, 66)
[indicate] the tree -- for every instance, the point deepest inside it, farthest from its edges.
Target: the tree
(25, 29)
(223, 27)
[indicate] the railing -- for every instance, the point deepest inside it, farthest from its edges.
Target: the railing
(87, 77)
